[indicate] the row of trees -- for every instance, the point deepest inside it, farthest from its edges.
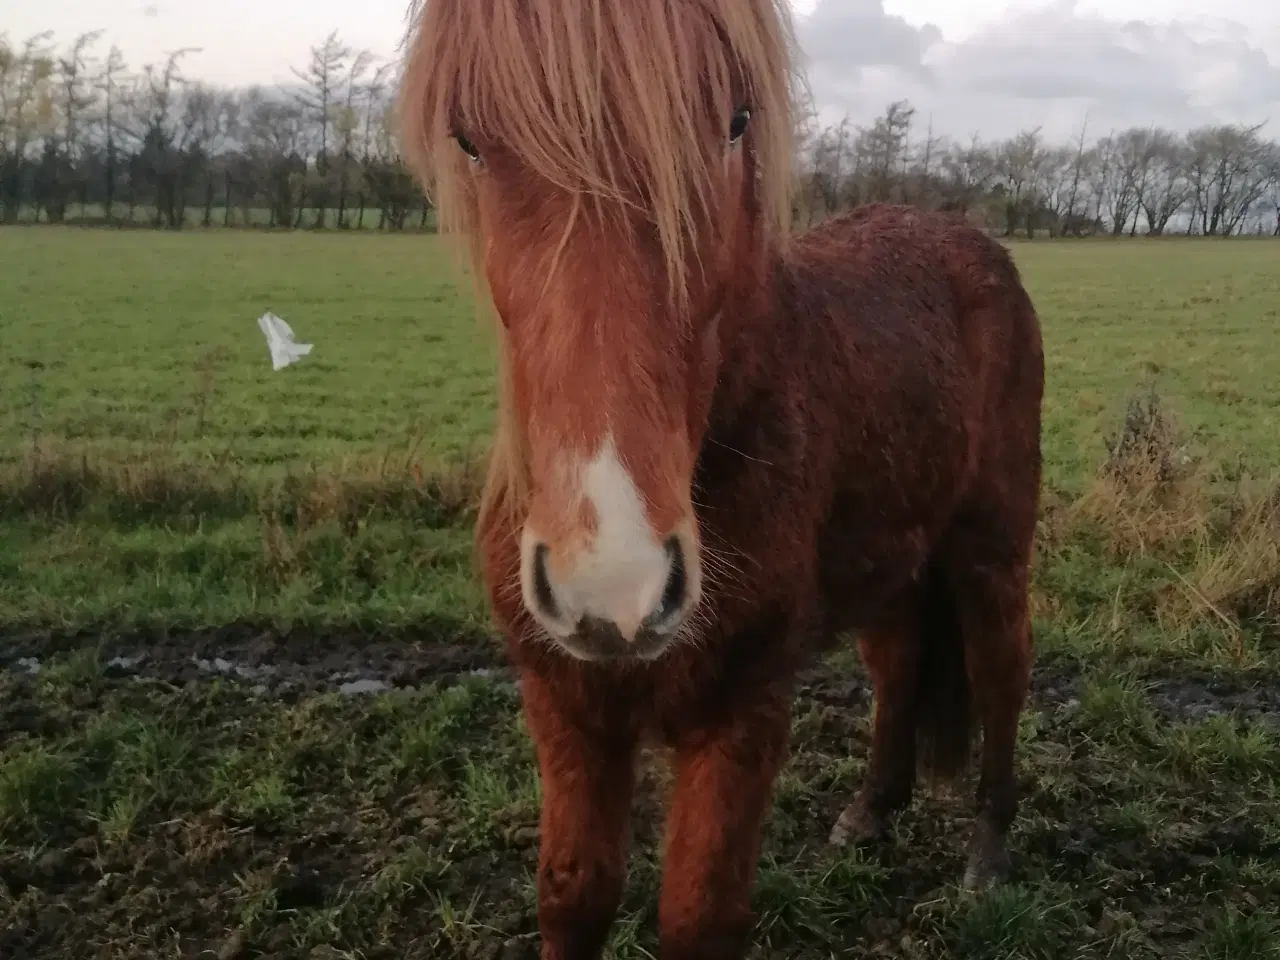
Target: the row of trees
(83, 137)
(1221, 180)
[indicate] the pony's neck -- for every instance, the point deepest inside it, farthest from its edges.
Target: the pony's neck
(753, 331)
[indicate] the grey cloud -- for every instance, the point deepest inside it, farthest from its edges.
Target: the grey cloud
(1047, 67)
(851, 34)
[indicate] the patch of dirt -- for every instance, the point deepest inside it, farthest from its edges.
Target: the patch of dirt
(1175, 694)
(1189, 696)
(291, 663)
(275, 662)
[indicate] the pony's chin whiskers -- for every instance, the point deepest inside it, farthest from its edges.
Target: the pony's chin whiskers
(509, 589)
(720, 575)
(539, 636)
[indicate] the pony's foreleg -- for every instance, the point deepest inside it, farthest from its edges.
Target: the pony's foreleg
(724, 783)
(587, 781)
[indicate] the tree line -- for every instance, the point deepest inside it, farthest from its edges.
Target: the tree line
(1220, 180)
(84, 138)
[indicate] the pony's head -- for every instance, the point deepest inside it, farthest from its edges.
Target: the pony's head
(622, 167)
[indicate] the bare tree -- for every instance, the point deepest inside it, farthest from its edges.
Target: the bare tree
(26, 113)
(347, 127)
(109, 83)
(1018, 164)
(323, 78)
(921, 188)
(163, 128)
(1070, 220)
(210, 121)
(1117, 182)
(828, 185)
(968, 173)
(57, 177)
(804, 140)
(1228, 173)
(275, 137)
(1271, 166)
(1137, 157)
(1167, 189)
(394, 189)
(1058, 186)
(882, 153)
(373, 104)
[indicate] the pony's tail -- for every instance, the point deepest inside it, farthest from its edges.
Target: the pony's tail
(944, 715)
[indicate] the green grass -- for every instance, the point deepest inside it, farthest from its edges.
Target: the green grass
(136, 333)
(206, 818)
(1197, 318)
(139, 332)
(176, 462)
(164, 493)
(136, 358)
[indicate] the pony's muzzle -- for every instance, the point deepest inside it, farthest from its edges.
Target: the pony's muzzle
(597, 613)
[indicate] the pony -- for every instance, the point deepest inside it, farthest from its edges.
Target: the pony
(721, 445)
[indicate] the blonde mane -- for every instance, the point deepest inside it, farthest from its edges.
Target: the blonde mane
(600, 98)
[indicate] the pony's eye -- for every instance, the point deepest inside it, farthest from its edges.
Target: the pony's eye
(468, 147)
(738, 125)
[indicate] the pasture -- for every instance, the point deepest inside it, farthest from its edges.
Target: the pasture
(249, 704)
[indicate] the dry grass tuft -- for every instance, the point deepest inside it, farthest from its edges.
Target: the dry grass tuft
(1213, 547)
(65, 484)
(1234, 577)
(1146, 445)
(1150, 495)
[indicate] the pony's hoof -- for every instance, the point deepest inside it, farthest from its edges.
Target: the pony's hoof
(982, 874)
(858, 825)
(989, 861)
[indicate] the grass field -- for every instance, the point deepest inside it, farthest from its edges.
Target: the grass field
(249, 705)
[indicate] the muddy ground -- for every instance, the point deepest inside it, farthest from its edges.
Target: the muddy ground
(235, 813)
(352, 661)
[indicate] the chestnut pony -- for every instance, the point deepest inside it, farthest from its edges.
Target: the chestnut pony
(720, 446)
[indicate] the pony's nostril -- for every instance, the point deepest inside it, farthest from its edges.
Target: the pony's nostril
(677, 588)
(542, 592)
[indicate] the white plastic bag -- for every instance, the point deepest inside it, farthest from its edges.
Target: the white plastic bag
(284, 349)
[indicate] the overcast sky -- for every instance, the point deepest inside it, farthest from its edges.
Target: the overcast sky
(986, 66)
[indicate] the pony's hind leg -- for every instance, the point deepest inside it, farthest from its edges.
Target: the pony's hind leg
(992, 607)
(890, 651)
